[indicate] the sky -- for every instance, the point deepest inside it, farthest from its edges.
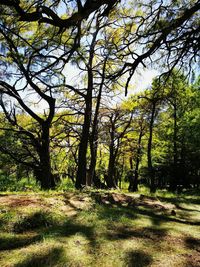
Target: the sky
(141, 80)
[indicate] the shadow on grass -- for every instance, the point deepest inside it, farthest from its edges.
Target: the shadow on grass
(116, 209)
(185, 209)
(49, 258)
(158, 219)
(70, 228)
(192, 243)
(34, 221)
(137, 259)
(115, 213)
(107, 211)
(178, 200)
(144, 233)
(14, 242)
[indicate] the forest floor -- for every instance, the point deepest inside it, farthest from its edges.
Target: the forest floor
(104, 229)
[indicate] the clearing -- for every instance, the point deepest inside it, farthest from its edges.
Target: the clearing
(99, 229)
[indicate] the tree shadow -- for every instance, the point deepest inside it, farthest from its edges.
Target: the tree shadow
(49, 258)
(116, 209)
(70, 228)
(34, 221)
(115, 213)
(144, 233)
(132, 212)
(161, 218)
(137, 258)
(192, 259)
(192, 243)
(179, 200)
(14, 242)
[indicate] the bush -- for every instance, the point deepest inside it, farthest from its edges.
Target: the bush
(11, 183)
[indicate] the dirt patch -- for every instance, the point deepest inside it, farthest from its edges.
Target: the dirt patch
(192, 260)
(71, 203)
(78, 202)
(13, 201)
(68, 204)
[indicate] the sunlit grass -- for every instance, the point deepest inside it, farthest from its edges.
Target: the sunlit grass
(48, 233)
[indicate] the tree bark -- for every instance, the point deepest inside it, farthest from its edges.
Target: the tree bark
(111, 167)
(133, 187)
(94, 134)
(46, 176)
(83, 146)
(82, 154)
(149, 156)
(173, 184)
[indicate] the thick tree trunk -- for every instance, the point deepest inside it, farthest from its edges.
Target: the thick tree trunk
(46, 177)
(94, 144)
(83, 146)
(111, 168)
(93, 151)
(82, 155)
(94, 134)
(131, 162)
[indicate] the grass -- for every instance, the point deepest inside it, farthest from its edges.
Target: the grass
(95, 229)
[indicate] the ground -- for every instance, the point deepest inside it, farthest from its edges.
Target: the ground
(99, 229)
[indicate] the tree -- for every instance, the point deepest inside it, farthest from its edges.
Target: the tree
(166, 33)
(179, 104)
(140, 126)
(116, 122)
(154, 98)
(93, 60)
(37, 49)
(24, 75)
(45, 12)
(170, 27)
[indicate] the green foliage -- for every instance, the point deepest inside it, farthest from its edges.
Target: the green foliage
(65, 184)
(37, 55)
(12, 183)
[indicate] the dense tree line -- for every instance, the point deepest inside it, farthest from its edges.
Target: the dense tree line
(57, 124)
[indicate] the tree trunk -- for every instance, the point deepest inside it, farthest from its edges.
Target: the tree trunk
(94, 144)
(83, 146)
(149, 156)
(46, 176)
(94, 135)
(93, 150)
(173, 184)
(111, 168)
(133, 187)
(131, 162)
(184, 180)
(82, 155)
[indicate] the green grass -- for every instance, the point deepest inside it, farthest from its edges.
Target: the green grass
(74, 229)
